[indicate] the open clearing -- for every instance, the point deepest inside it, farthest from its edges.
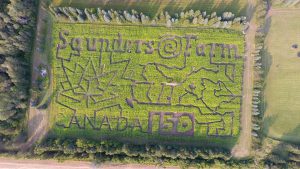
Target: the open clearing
(282, 92)
(179, 85)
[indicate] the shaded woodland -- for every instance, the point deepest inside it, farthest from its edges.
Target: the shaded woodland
(17, 22)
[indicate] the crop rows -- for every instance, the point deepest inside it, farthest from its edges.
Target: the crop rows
(128, 83)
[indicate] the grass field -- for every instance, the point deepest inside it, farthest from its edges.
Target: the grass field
(282, 92)
(154, 7)
(142, 83)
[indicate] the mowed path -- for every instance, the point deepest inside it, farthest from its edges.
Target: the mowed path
(243, 148)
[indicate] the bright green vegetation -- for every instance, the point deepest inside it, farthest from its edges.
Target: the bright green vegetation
(98, 91)
(282, 92)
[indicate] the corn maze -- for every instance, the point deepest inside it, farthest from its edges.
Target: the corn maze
(147, 83)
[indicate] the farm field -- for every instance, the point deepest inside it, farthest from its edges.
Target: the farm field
(147, 84)
(282, 92)
(150, 83)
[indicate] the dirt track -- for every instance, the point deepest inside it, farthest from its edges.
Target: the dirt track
(37, 119)
(243, 148)
(7, 163)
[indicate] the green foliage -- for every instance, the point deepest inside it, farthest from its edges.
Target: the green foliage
(113, 148)
(260, 67)
(62, 115)
(16, 35)
(185, 18)
(150, 154)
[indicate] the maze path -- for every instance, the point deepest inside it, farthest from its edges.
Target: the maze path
(110, 84)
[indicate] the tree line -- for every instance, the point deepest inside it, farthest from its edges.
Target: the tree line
(188, 18)
(113, 151)
(17, 22)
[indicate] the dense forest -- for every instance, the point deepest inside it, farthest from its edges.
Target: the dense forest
(17, 22)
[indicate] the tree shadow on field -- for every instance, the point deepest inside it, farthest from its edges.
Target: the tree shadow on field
(149, 7)
(285, 152)
(264, 53)
(266, 61)
(267, 25)
(268, 121)
(207, 5)
(176, 7)
(234, 7)
(250, 12)
(153, 7)
(293, 133)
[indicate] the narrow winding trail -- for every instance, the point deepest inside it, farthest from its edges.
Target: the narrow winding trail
(37, 119)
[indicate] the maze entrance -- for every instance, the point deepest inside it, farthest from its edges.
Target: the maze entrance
(146, 82)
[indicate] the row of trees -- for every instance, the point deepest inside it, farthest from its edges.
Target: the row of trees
(160, 154)
(260, 72)
(17, 20)
(122, 152)
(283, 154)
(112, 147)
(191, 17)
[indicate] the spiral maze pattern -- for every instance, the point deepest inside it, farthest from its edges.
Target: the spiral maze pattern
(170, 46)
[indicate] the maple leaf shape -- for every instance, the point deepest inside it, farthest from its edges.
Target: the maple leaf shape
(89, 84)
